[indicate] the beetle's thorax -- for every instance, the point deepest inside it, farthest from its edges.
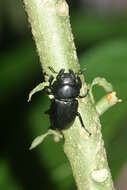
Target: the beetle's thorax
(66, 91)
(66, 87)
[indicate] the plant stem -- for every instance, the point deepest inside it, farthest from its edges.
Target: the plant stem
(51, 29)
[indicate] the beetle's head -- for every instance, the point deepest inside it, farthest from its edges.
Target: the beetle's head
(66, 78)
(67, 85)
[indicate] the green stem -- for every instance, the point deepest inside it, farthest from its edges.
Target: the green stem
(51, 29)
(52, 32)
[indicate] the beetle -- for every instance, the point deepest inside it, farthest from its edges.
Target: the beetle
(64, 105)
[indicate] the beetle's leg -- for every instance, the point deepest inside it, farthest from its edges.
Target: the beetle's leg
(72, 73)
(58, 74)
(38, 88)
(83, 96)
(81, 121)
(45, 74)
(53, 71)
(61, 72)
(51, 78)
(80, 85)
(79, 82)
(48, 89)
(81, 72)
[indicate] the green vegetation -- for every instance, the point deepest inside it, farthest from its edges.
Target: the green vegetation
(102, 48)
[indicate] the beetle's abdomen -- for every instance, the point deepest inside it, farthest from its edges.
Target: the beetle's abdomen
(62, 113)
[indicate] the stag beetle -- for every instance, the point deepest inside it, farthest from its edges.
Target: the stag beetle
(64, 105)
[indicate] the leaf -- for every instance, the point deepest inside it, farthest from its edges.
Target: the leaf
(38, 88)
(38, 140)
(100, 82)
(103, 83)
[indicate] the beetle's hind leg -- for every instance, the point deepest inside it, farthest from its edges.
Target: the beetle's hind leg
(81, 121)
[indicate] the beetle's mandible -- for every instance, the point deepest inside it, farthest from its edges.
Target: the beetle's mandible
(64, 105)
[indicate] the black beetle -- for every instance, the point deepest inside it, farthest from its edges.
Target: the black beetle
(64, 106)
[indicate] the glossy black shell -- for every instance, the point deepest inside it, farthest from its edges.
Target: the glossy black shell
(64, 106)
(62, 114)
(67, 86)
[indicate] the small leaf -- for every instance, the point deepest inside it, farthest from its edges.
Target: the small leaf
(107, 102)
(38, 88)
(103, 83)
(100, 82)
(38, 140)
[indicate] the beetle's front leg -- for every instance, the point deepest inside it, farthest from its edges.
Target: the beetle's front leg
(80, 85)
(51, 78)
(38, 88)
(84, 95)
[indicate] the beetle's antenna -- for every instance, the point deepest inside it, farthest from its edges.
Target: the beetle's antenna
(81, 72)
(52, 70)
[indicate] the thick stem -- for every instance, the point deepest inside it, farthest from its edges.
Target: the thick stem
(52, 32)
(51, 29)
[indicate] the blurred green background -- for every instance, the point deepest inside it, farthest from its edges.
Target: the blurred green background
(100, 34)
